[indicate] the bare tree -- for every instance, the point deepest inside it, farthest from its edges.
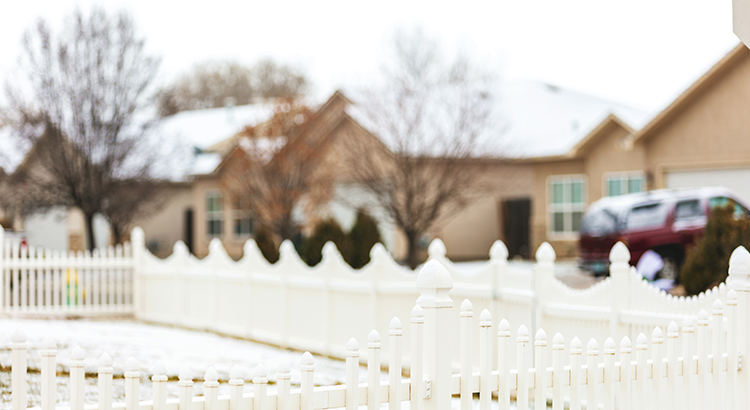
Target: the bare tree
(434, 119)
(274, 171)
(211, 84)
(81, 106)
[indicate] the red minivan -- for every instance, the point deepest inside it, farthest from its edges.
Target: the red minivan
(667, 221)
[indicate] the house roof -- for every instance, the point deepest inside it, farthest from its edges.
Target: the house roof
(706, 80)
(535, 119)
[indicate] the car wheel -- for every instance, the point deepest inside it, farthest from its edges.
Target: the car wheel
(671, 269)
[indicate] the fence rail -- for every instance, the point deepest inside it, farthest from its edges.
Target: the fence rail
(695, 367)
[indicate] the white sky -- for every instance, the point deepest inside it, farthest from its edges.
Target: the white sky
(642, 52)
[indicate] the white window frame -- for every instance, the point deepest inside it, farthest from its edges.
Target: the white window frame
(212, 215)
(623, 177)
(238, 214)
(567, 208)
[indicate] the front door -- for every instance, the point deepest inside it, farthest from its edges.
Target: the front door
(516, 222)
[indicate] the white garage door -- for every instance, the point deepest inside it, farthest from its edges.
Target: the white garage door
(736, 179)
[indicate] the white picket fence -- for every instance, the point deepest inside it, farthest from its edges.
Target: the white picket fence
(699, 367)
(40, 281)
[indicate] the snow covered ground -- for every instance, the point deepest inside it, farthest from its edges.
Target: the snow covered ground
(149, 344)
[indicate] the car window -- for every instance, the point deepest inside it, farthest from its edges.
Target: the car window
(599, 222)
(688, 209)
(647, 216)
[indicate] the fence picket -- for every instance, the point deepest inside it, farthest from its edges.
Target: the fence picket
(658, 393)
(640, 393)
(592, 374)
(185, 386)
(159, 387)
(689, 380)
(237, 383)
(733, 386)
(307, 380)
(104, 382)
(283, 377)
(558, 347)
(15, 274)
(702, 365)
(373, 370)
(132, 384)
(24, 273)
(19, 385)
(417, 359)
(77, 382)
(540, 369)
(485, 360)
(466, 324)
(625, 374)
(609, 371)
(394, 366)
(717, 394)
(49, 387)
(260, 385)
(575, 370)
(352, 374)
(522, 391)
(503, 345)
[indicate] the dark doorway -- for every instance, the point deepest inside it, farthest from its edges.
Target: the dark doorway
(516, 222)
(189, 229)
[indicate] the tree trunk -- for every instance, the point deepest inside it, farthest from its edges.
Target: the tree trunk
(116, 234)
(412, 250)
(90, 231)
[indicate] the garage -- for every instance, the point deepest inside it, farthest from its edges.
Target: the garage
(736, 179)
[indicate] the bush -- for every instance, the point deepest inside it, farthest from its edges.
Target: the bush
(327, 230)
(708, 262)
(363, 236)
(267, 245)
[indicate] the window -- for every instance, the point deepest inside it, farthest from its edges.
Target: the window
(688, 209)
(624, 183)
(648, 216)
(566, 204)
(214, 215)
(243, 222)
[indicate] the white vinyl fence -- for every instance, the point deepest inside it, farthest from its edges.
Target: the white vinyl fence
(290, 304)
(40, 281)
(698, 366)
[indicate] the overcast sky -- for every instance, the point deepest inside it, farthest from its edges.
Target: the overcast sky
(642, 52)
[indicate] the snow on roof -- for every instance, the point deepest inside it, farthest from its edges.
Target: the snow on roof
(533, 119)
(204, 128)
(197, 132)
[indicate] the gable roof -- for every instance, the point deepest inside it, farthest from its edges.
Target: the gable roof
(705, 81)
(536, 120)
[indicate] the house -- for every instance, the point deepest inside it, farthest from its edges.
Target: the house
(700, 139)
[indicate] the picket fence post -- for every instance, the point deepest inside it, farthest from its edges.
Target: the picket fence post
(18, 385)
(49, 354)
(739, 269)
(159, 386)
(138, 243)
(544, 274)
(499, 262)
(434, 282)
(104, 381)
(619, 271)
(236, 383)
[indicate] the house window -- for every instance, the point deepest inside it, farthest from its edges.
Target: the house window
(566, 203)
(214, 215)
(243, 222)
(624, 183)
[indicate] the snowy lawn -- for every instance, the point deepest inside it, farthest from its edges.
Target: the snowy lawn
(149, 344)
